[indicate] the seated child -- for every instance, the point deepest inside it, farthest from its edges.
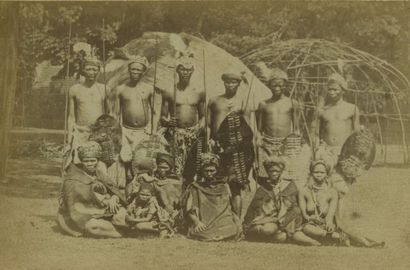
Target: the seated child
(144, 214)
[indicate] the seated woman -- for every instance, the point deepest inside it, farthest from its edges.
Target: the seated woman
(318, 202)
(87, 205)
(273, 214)
(145, 215)
(207, 205)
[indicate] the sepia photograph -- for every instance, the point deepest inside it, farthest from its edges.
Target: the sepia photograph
(204, 135)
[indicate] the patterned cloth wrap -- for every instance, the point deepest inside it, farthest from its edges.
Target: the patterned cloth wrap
(185, 138)
(237, 154)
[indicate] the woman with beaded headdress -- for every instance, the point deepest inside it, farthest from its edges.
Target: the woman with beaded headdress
(88, 201)
(207, 205)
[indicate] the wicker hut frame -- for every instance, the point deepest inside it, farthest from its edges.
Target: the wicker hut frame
(380, 90)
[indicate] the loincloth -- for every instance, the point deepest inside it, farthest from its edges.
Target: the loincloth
(130, 138)
(185, 138)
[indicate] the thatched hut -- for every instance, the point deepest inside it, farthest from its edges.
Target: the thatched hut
(379, 89)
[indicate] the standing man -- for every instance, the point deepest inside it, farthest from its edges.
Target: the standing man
(86, 102)
(338, 119)
(133, 108)
(230, 131)
(276, 117)
(183, 112)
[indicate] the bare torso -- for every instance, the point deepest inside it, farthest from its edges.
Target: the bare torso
(337, 122)
(219, 108)
(276, 117)
(187, 109)
(134, 104)
(317, 201)
(89, 103)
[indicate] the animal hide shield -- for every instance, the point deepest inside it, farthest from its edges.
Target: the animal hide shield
(357, 154)
(237, 154)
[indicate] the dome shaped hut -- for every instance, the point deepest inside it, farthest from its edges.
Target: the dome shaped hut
(380, 90)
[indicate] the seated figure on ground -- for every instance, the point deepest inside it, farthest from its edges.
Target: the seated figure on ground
(273, 214)
(318, 202)
(88, 202)
(144, 214)
(207, 205)
(167, 187)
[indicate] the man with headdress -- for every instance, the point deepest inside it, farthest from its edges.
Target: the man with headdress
(207, 205)
(133, 108)
(276, 117)
(273, 214)
(88, 199)
(228, 120)
(183, 111)
(338, 119)
(86, 102)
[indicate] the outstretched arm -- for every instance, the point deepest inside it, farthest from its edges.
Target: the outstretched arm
(302, 203)
(155, 103)
(117, 104)
(333, 202)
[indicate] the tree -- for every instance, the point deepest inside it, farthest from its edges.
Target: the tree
(8, 68)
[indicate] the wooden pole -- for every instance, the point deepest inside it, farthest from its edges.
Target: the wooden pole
(8, 71)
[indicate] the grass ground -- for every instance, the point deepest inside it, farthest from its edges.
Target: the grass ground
(30, 238)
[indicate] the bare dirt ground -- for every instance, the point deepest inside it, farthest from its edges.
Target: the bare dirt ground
(30, 238)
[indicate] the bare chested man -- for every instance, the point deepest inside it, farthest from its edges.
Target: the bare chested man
(86, 102)
(276, 117)
(183, 112)
(338, 119)
(133, 107)
(232, 140)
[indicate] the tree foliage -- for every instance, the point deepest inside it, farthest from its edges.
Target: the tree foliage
(379, 28)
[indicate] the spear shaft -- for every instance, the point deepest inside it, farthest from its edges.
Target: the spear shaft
(66, 97)
(205, 102)
(103, 57)
(155, 83)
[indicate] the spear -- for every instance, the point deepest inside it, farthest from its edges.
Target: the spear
(155, 83)
(205, 99)
(66, 97)
(103, 56)
(174, 106)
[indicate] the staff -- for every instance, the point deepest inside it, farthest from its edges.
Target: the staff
(155, 83)
(206, 107)
(103, 56)
(66, 97)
